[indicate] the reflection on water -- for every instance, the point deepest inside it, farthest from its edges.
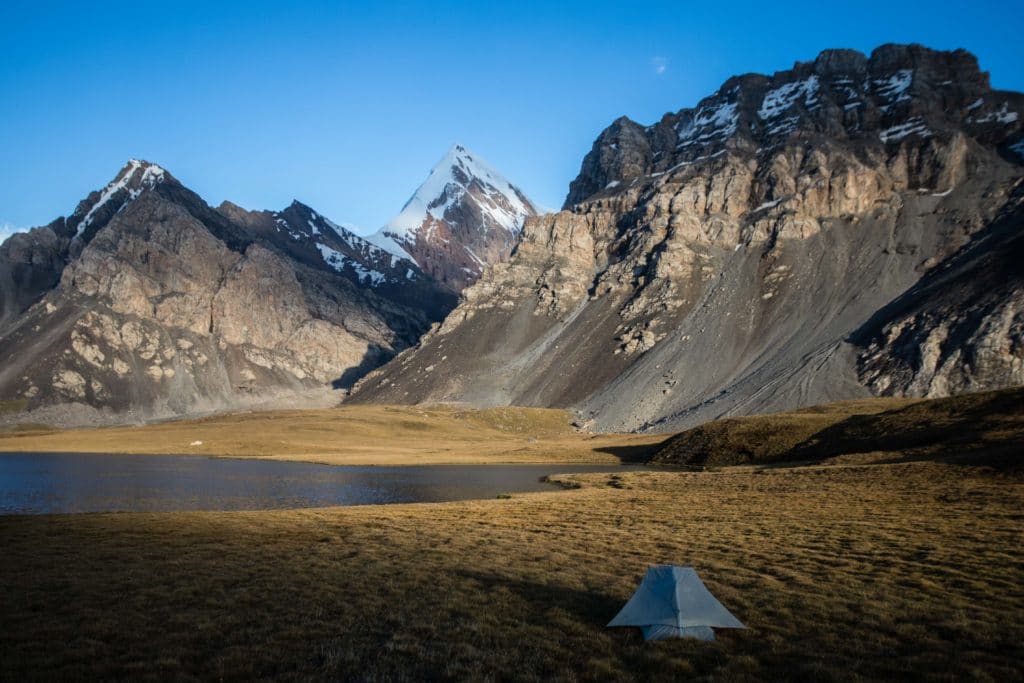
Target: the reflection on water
(34, 483)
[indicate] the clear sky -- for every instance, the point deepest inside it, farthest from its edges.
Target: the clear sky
(346, 106)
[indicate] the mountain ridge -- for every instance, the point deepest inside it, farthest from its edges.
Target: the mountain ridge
(893, 83)
(147, 302)
(721, 261)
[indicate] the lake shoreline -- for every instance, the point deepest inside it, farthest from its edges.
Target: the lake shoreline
(359, 435)
(64, 483)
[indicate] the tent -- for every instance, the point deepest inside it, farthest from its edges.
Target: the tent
(672, 602)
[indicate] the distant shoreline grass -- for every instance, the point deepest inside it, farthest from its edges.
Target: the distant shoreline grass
(357, 435)
(985, 426)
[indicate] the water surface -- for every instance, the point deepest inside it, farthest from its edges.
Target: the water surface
(37, 483)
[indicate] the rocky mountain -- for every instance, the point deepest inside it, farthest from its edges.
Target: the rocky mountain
(848, 227)
(147, 302)
(464, 216)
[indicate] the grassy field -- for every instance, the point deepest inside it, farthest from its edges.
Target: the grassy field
(986, 426)
(357, 435)
(909, 571)
(863, 571)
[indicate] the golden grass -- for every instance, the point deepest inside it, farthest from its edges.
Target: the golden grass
(910, 571)
(986, 423)
(358, 435)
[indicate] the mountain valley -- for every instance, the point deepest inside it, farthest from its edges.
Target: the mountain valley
(774, 339)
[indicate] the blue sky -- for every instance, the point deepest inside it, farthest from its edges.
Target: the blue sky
(346, 106)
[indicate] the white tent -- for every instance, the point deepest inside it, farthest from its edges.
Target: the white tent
(672, 602)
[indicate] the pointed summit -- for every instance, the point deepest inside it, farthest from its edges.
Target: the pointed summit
(464, 216)
(220, 307)
(100, 206)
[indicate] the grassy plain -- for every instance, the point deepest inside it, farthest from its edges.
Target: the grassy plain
(357, 435)
(853, 568)
(907, 571)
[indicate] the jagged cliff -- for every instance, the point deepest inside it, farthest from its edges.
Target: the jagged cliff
(147, 302)
(794, 238)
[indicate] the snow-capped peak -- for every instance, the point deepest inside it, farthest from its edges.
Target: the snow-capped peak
(136, 176)
(448, 183)
(151, 173)
(461, 177)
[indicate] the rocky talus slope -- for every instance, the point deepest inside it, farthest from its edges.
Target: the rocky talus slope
(147, 302)
(464, 217)
(845, 228)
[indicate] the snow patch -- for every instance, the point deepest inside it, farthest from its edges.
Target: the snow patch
(476, 258)
(768, 205)
(1002, 115)
(912, 126)
(366, 250)
(710, 122)
(782, 98)
(685, 163)
(783, 127)
(339, 261)
(894, 88)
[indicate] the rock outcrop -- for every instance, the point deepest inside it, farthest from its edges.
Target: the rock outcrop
(463, 218)
(961, 328)
(147, 302)
(793, 239)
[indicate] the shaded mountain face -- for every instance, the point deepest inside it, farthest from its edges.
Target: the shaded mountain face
(147, 302)
(809, 236)
(960, 328)
(464, 217)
